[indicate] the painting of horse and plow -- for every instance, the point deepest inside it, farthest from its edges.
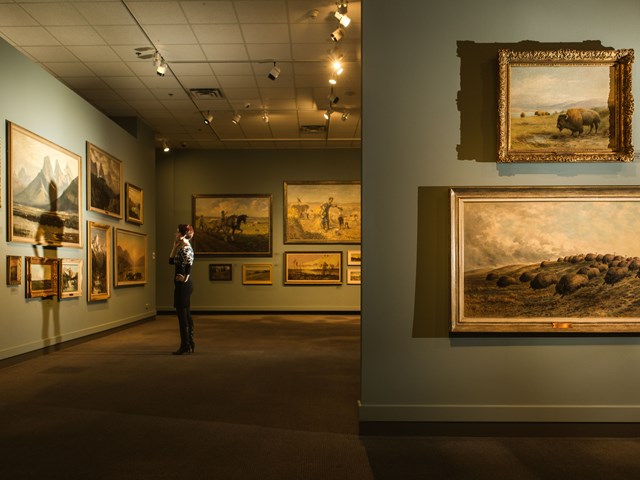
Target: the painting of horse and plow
(233, 224)
(545, 259)
(565, 106)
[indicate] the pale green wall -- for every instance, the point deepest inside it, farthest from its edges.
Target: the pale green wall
(33, 99)
(430, 81)
(183, 173)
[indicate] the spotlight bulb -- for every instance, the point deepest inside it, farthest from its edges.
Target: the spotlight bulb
(327, 114)
(236, 118)
(162, 69)
(345, 116)
(337, 34)
(333, 99)
(343, 19)
(208, 119)
(274, 73)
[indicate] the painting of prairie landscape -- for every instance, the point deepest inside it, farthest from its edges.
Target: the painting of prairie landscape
(131, 258)
(44, 191)
(313, 268)
(568, 262)
(565, 106)
(322, 212)
(234, 224)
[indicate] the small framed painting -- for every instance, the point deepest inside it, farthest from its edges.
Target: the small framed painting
(354, 257)
(42, 277)
(354, 276)
(70, 277)
(565, 106)
(14, 270)
(134, 211)
(257, 274)
(313, 268)
(220, 272)
(131, 258)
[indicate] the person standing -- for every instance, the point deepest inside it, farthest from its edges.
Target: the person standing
(181, 258)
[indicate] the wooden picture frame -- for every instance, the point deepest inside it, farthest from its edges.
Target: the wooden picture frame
(99, 261)
(312, 268)
(257, 274)
(14, 270)
(41, 277)
(70, 277)
(130, 258)
(545, 259)
(134, 201)
(354, 276)
(322, 212)
(43, 191)
(232, 225)
(220, 272)
(104, 182)
(565, 106)
(354, 257)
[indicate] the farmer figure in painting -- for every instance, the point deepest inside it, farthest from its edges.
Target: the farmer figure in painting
(324, 213)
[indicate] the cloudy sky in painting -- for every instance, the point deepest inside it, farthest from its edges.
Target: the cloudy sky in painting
(557, 88)
(507, 233)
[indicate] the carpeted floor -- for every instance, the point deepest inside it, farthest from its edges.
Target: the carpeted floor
(264, 397)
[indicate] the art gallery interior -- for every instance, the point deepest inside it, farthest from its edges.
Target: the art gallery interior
(417, 119)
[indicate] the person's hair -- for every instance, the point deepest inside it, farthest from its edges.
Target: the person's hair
(185, 230)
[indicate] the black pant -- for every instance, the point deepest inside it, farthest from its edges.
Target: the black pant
(182, 303)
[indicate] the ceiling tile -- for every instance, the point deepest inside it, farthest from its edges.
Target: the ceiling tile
(266, 33)
(69, 69)
(158, 13)
(237, 81)
(122, 34)
(109, 69)
(111, 13)
(77, 35)
(209, 12)
(273, 51)
(218, 33)
(13, 15)
(29, 36)
(225, 52)
(261, 11)
(51, 54)
(63, 13)
(163, 35)
(94, 53)
(123, 83)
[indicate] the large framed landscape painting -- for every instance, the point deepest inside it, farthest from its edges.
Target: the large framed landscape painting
(43, 191)
(104, 178)
(565, 106)
(232, 225)
(545, 259)
(322, 212)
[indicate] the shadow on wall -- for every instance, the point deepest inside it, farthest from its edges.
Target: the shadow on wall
(432, 309)
(478, 94)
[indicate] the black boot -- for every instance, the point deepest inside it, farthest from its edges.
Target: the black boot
(183, 349)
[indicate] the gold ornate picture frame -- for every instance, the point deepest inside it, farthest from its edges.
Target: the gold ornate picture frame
(42, 277)
(545, 259)
(565, 106)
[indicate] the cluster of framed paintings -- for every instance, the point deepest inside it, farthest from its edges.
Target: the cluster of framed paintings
(47, 277)
(45, 192)
(300, 268)
(530, 259)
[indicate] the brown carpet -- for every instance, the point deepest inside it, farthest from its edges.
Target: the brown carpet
(264, 397)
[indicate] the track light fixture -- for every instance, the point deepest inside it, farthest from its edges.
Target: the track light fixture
(274, 72)
(333, 98)
(236, 118)
(343, 19)
(337, 66)
(337, 34)
(265, 116)
(160, 64)
(333, 79)
(343, 6)
(208, 119)
(327, 114)
(345, 116)
(165, 147)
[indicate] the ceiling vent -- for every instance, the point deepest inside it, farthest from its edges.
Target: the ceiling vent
(313, 128)
(206, 93)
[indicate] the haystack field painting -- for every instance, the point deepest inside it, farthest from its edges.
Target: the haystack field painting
(569, 262)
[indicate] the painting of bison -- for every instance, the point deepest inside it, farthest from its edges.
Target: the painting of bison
(565, 106)
(568, 262)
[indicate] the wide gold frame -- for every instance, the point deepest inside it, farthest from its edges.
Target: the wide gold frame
(620, 104)
(45, 285)
(494, 234)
